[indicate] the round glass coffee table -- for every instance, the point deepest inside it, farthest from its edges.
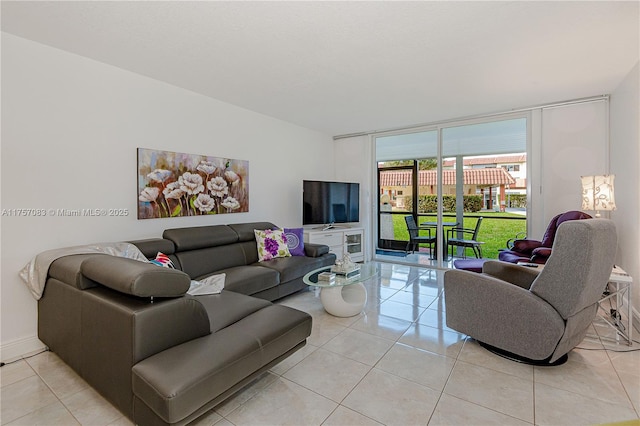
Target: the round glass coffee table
(344, 297)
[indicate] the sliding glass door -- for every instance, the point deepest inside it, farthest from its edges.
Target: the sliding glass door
(396, 183)
(455, 176)
(404, 160)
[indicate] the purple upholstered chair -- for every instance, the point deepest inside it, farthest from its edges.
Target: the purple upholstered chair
(527, 250)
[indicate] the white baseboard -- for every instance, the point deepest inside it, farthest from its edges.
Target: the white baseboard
(20, 348)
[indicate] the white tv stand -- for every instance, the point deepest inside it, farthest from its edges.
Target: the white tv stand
(340, 240)
(328, 226)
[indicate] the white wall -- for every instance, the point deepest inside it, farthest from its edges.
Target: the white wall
(574, 144)
(353, 163)
(70, 129)
(625, 158)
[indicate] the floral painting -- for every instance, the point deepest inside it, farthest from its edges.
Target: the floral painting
(173, 184)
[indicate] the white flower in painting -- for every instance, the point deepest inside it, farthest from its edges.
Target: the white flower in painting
(159, 175)
(173, 191)
(206, 167)
(219, 163)
(204, 203)
(149, 194)
(231, 176)
(218, 187)
(191, 183)
(231, 203)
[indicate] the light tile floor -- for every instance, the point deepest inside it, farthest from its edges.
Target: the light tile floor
(395, 364)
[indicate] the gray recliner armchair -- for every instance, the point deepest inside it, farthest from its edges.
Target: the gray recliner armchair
(536, 315)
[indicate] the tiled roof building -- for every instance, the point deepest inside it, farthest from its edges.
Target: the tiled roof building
(477, 177)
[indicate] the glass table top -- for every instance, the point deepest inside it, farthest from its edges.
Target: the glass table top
(367, 270)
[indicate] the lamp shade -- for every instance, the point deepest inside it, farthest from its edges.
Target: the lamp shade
(597, 193)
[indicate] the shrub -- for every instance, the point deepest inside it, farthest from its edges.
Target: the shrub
(517, 200)
(429, 203)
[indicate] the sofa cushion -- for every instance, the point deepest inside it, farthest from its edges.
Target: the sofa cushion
(200, 237)
(291, 268)
(205, 261)
(245, 230)
(249, 279)
(317, 250)
(150, 247)
(135, 278)
(185, 378)
(250, 250)
(271, 244)
(229, 307)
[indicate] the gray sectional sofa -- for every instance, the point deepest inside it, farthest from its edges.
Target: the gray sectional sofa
(158, 354)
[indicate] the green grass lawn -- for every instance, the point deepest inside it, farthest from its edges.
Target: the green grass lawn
(494, 232)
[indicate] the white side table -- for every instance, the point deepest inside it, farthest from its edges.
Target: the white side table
(620, 284)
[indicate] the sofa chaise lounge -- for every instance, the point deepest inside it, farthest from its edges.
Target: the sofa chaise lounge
(160, 355)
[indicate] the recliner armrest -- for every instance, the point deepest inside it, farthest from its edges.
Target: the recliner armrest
(541, 254)
(525, 246)
(522, 276)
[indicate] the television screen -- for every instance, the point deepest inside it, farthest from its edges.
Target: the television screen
(325, 203)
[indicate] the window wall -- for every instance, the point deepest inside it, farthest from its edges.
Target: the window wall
(448, 176)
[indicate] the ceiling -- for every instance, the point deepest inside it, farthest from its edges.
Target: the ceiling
(346, 67)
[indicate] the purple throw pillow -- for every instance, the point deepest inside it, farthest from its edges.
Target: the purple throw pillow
(295, 241)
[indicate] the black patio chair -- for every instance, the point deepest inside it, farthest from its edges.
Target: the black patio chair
(467, 238)
(415, 239)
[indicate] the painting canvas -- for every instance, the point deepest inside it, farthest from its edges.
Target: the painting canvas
(173, 184)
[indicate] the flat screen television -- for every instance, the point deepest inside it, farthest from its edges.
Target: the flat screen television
(327, 203)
